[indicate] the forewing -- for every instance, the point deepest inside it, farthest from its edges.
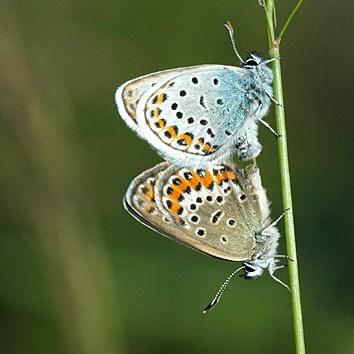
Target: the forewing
(193, 116)
(128, 95)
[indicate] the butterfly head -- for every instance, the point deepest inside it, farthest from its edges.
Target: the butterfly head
(258, 65)
(255, 269)
(252, 61)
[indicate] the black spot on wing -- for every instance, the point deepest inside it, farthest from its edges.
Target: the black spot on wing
(202, 101)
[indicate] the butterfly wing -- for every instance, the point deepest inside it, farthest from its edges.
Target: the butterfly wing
(140, 202)
(139, 199)
(250, 180)
(213, 211)
(189, 115)
(192, 118)
(211, 208)
(128, 95)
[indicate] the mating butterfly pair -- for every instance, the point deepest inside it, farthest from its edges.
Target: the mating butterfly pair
(195, 117)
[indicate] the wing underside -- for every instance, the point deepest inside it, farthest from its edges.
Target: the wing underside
(207, 210)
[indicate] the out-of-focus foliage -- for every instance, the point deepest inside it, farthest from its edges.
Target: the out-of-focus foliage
(77, 273)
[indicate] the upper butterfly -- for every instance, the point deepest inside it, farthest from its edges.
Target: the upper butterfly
(197, 115)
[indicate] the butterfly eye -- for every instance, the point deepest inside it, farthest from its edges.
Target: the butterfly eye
(250, 62)
(249, 268)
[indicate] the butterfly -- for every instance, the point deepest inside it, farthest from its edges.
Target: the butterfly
(222, 211)
(196, 116)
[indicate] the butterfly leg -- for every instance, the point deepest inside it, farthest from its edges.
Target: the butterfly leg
(267, 125)
(274, 223)
(273, 99)
(279, 281)
(272, 268)
(284, 256)
(280, 267)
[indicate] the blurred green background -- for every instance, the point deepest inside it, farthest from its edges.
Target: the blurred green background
(77, 273)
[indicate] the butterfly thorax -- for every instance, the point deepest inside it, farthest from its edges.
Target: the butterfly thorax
(258, 92)
(258, 86)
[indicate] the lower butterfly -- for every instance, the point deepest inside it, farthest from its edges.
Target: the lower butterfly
(196, 116)
(222, 211)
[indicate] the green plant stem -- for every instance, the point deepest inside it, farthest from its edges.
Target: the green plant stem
(285, 179)
(289, 19)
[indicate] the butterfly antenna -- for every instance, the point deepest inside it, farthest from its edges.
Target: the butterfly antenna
(221, 290)
(230, 29)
